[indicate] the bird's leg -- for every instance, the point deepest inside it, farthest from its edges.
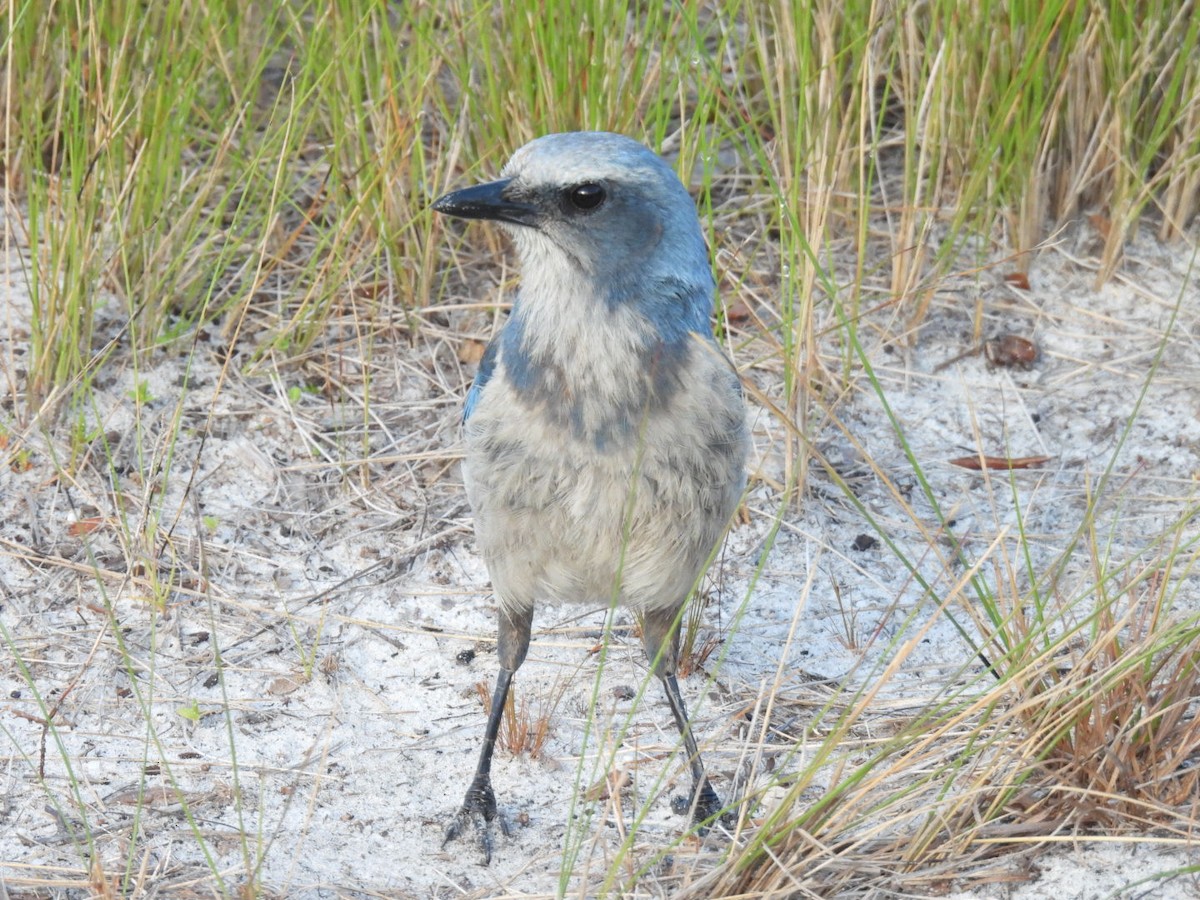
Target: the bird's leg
(705, 804)
(479, 805)
(660, 634)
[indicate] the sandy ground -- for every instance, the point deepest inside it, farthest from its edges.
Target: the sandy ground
(262, 640)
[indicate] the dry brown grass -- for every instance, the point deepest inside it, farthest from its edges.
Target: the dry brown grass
(1091, 734)
(527, 724)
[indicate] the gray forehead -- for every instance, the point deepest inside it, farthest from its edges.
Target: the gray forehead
(581, 156)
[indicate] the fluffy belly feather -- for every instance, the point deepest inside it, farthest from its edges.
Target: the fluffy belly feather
(558, 519)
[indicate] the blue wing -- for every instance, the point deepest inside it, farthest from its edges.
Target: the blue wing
(487, 364)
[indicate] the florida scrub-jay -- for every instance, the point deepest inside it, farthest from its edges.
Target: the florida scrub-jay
(605, 428)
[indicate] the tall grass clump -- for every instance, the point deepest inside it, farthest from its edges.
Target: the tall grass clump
(895, 137)
(197, 164)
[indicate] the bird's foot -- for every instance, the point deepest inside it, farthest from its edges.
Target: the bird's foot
(478, 811)
(705, 807)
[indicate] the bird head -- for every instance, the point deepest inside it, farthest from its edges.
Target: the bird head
(603, 210)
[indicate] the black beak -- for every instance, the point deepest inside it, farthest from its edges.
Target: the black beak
(487, 201)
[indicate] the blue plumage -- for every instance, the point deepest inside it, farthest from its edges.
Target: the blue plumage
(486, 364)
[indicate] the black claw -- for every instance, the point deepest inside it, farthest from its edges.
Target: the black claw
(705, 807)
(479, 811)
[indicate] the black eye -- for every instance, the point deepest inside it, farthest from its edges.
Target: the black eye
(585, 196)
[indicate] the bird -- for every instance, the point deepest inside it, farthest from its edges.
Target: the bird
(605, 428)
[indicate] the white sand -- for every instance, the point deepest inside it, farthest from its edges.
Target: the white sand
(341, 598)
